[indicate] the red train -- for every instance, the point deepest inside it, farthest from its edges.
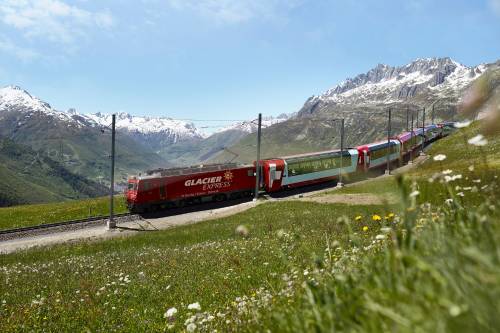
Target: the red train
(176, 187)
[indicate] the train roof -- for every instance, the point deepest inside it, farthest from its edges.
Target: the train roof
(191, 170)
(392, 140)
(325, 152)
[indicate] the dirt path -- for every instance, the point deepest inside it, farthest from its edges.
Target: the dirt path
(353, 199)
(124, 229)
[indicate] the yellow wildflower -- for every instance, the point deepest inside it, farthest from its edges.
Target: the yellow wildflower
(376, 217)
(365, 228)
(358, 218)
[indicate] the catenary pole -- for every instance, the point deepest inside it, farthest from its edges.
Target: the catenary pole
(257, 165)
(423, 130)
(388, 170)
(339, 183)
(411, 140)
(111, 221)
(407, 117)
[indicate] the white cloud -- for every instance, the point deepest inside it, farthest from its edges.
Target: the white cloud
(7, 46)
(236, 11)
(495, 5)
(51, 19)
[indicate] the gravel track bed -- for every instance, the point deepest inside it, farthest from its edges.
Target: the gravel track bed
(66, 227)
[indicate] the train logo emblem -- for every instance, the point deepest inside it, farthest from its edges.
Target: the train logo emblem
(228, 176)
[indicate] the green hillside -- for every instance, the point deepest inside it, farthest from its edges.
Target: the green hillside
(30, 177)
(314, 129)
(195, 152)
(431, 260)
(82, 150)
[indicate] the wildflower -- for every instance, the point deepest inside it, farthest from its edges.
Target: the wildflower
(463, 124)
(365, 228)
(281, 233)
(452, 178)
(376, 217)
(385, 230)
(414, 194)
(471, 168)
(358, 218)
(460, 194)
(380, 237)
(478, 140)
(447, 172)
(454, 310)
(242, 230)
(170, 313)
(391, 215)
(194, 306)
(191, 327)
(306, 272)
(439, 157)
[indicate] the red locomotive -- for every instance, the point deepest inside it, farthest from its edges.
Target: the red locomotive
(176, 187)
(164, 188)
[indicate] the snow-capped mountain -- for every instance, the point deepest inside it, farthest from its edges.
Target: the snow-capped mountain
(435, 85)
(250, 126)
(15, 99)
(384, 84)
(175, 130)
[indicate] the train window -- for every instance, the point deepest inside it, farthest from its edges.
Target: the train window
(318, 164)
(250, 173)
(132, 186)
(145, 186)
(382, 152)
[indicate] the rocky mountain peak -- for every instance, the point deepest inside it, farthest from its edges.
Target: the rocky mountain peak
(385, 84)
(16, 96)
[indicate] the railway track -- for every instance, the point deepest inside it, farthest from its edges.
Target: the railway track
(41, 229)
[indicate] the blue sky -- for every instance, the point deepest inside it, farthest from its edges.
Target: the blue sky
(227, 59)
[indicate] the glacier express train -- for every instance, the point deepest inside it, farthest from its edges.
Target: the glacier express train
(176, 187)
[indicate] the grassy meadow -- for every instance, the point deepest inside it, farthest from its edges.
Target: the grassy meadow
(429, 263)
(28, 215)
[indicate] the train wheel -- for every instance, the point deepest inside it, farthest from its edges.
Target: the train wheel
(219, 197)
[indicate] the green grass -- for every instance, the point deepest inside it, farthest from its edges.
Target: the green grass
(207, 263)
(285, 266)
(27, 215)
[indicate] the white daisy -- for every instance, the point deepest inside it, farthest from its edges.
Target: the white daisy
(479, 140)
(439, 157)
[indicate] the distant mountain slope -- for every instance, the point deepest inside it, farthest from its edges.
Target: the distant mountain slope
(206, 149)
(27, 176)
(434, 83)
(76, 141)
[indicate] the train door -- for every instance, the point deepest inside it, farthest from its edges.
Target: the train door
(163, 191)
(273, 174)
